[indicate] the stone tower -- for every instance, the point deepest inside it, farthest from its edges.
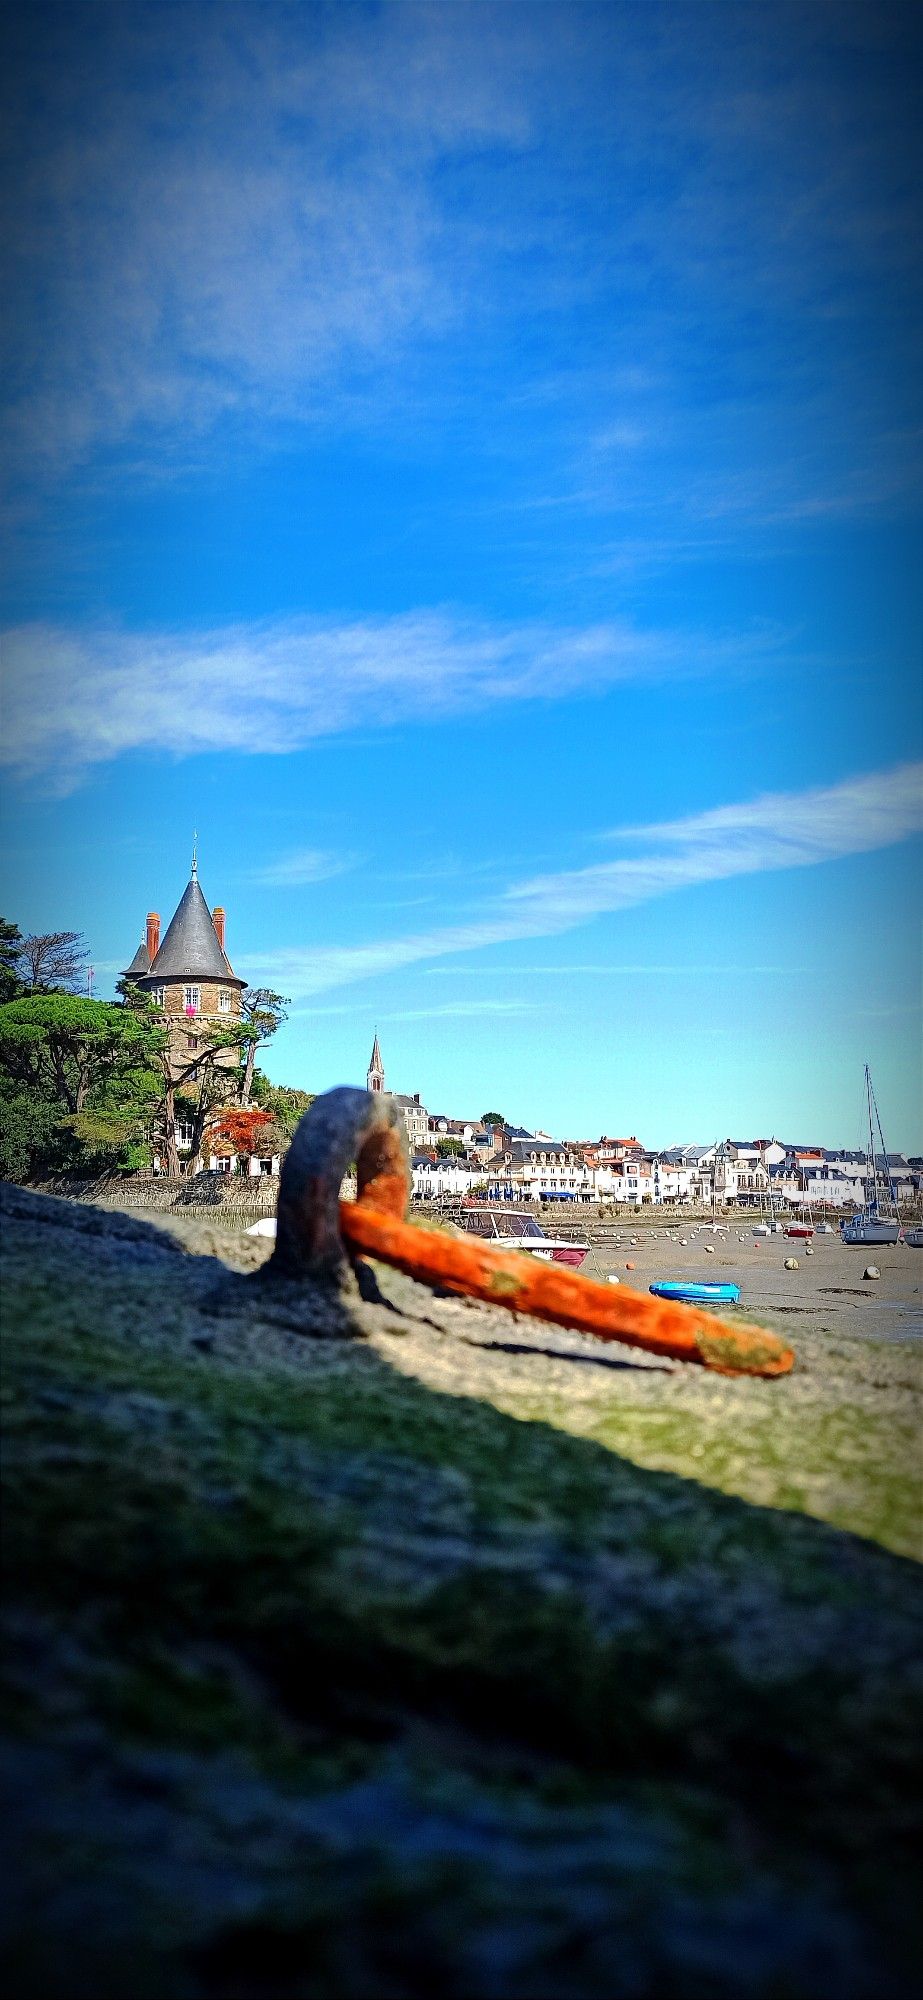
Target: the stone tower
(188, 975)
(375, 1079)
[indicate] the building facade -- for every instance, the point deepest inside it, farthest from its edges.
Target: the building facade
(415, 1115)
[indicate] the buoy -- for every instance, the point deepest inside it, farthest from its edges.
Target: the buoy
(613, 1280)
(808, 1251)
(629, 1267)
(871, 1271)
(709, 1249)
(791, 1263)
(684, 1239)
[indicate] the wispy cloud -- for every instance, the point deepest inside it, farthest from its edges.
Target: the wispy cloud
(608, 970)
(252, 213)
(305, 864)
(464, 1010)
(220, 231)
(74, 700)
(780, 830)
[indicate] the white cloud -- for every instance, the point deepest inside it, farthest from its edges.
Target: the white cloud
(74, 700)
(233, 213)
(219, 217)
(305, 864)
(464, 1010)
(779, 830)
(607, 970)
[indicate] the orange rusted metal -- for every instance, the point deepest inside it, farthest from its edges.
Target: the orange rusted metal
(313, 1225)
(547, 1291)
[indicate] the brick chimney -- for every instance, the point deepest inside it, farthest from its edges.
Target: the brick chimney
(153, 935)
(218, 921)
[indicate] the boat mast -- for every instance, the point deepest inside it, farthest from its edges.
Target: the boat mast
(873, 1104)
(871, 1178)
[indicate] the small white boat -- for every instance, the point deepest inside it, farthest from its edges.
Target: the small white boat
(512, 1231)
(914, 1237)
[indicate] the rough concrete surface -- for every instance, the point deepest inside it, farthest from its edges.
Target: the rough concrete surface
(382, 1647)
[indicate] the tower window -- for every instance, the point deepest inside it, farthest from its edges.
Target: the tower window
(158, 995)
(224, 1000)
(191, 999)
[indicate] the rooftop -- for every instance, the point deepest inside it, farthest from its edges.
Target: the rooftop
(190, 948)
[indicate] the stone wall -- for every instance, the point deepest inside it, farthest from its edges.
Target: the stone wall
(205, 1194)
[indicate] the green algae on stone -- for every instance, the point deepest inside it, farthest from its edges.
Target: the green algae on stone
(400, 1657)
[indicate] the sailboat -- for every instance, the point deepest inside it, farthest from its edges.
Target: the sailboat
(870, 1226)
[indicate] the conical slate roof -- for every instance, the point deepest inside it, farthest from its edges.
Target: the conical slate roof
(376, 1062)
(140, 964)
(190, 949)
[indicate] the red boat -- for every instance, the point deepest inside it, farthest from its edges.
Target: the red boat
(517, 1232)
(799, 1229)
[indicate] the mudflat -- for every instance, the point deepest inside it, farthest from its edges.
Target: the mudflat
(827, 1293)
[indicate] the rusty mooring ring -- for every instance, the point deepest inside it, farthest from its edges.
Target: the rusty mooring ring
(341, 1127)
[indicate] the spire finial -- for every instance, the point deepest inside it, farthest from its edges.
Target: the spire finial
(195, 857)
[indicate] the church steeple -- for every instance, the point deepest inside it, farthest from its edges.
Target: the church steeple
(375, 1080)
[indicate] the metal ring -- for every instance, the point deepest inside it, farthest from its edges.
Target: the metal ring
(343, 1126)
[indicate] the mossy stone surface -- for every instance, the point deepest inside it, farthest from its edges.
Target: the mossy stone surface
(373, 1648)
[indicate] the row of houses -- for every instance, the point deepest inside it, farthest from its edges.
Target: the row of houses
(758, 1174)
(454, 1157)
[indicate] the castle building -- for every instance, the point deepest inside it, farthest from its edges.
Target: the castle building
(188, 974)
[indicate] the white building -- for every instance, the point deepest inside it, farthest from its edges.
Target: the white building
(444, 1180)
(686, 1174)
(546, 1167)
(253, 1164)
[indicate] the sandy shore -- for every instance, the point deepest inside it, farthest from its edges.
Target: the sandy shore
(827, 1293)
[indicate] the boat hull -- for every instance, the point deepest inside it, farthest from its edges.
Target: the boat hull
(867, 1231)
(547, 1252)
(703, 1295)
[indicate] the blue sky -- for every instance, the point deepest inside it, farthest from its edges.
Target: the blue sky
(465, 461)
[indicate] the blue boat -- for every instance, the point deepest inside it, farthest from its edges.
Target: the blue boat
(699, 1295)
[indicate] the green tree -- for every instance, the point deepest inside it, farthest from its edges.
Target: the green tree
(10, 942)
(449, 1148)
(261, 1012)
(492, 1118)
(78, 1083)
(286, 1106)
(63, 1047)
(33, 1139)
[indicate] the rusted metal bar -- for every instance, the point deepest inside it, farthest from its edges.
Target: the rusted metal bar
(313, 1226)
